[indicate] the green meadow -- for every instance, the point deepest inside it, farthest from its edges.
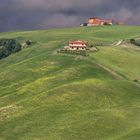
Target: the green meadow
(45, 95)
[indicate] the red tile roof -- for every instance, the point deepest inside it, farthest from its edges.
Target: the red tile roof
(98, 21)
(78, 42)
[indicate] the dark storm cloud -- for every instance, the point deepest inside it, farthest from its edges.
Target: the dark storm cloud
(41, 14)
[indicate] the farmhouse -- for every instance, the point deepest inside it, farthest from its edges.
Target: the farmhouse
(99, 22)
(77, 45)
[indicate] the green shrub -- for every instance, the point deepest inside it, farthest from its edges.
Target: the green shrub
(135, 42)
(29, 42)
(132, 40)
(8, 46)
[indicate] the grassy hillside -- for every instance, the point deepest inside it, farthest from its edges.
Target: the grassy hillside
(49, 96)
(125, 61)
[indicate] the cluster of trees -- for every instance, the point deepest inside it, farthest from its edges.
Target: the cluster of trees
(135, 42)
(8, 46)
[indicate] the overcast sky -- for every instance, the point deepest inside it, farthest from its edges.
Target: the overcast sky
(43, 14)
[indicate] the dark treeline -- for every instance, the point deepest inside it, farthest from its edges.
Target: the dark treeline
(8, 46)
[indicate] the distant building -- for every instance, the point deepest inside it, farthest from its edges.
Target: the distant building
(99, 22)
(77, 45)
(83, 24)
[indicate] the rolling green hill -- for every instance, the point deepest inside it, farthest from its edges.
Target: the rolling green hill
(45, 95)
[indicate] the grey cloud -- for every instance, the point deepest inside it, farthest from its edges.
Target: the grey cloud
(42, 14)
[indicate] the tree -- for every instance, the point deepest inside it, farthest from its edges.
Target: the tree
(8, 46)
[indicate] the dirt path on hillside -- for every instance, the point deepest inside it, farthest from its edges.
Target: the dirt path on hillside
(131, 46)
(119, 77)
(112, 72)
(118, 43)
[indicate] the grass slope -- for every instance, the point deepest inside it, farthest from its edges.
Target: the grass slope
(125, 61)
(50, 96)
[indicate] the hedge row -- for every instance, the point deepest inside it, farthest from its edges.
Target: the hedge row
(76, 52)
